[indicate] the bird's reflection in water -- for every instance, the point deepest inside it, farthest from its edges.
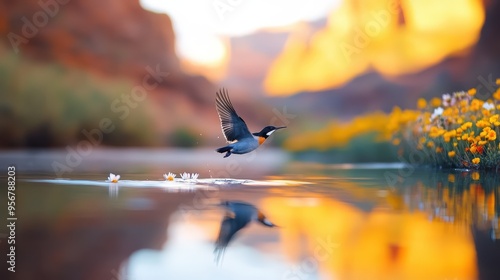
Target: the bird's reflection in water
(238, 215)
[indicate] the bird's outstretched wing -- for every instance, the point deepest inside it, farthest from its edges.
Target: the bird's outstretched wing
(226, 233)
(231, 224)
(233, 126)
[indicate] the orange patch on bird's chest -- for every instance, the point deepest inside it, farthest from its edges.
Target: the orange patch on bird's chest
(261, 140)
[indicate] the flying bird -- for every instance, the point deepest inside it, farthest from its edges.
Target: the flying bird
(235, 130)
(238, 215)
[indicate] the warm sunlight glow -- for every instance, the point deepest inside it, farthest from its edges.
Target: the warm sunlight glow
(210, 60)
(199, 25)
(392, 37)
(205, 50)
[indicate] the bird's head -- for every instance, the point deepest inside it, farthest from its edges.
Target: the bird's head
(263, 220)
(267, 131)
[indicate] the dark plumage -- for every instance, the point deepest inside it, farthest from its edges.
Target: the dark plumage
(235, 130)
(238, 215)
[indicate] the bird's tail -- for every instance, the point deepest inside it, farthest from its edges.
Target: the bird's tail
(223, 149)
(226, 149)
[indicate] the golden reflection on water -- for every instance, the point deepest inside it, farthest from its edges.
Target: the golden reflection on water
(416, 230)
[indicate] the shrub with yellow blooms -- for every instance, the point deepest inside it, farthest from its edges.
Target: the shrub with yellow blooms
(460, 131)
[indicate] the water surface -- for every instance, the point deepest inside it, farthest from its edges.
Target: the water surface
(335, 222)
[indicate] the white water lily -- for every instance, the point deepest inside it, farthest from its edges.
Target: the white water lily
(169, 177)
(437, 112)
(113, 178)
(186, 176)
(488, 106)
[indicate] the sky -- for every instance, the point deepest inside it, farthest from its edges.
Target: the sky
(202, 26)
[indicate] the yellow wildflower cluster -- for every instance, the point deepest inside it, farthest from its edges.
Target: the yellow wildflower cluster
(461, 131)
(457, 130)
(338, 134)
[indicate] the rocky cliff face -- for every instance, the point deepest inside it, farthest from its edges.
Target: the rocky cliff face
(108, 37)
(115, 41)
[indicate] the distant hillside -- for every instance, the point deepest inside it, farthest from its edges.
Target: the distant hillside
(105, 43)
(109, 37)
(104, 37)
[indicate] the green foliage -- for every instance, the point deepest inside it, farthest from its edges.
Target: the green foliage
(48, 105)
(183, 137)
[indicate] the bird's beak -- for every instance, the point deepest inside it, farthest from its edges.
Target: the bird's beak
(268, 223)
(280, 127)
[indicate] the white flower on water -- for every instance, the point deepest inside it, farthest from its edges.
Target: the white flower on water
(113, 178)
(169, 177)
(186, 176)
(488, 106)
(437, 112)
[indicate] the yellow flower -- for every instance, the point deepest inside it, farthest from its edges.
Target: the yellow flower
(476, 161)
(455, 144)
(482, 123)
(475, 176)
(492, 135)
(451, 153)
(421, 103)
(476, 104)
(466, 125)
(494, 118)
(496, 95)
(472, 91)
(439, 150)
(435, 102)
(430, 144)
(451, 178)
(464, 103)
(482, 143)
(473, 149)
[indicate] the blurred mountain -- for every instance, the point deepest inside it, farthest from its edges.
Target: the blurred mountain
(113, 38)
(122, 47)
(476, 67)
(252, 55)
(371, 90)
